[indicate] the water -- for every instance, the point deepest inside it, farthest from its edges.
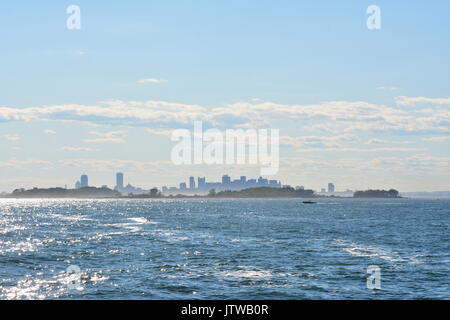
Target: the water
(224, 249)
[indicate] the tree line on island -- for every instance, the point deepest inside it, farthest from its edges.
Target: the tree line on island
(261, 192)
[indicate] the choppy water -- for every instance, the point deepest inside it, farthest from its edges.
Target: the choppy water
(224, 249)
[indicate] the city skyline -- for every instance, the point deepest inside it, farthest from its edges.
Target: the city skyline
(352, 105)
(201, 185)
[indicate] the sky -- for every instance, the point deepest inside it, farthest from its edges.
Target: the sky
(357, 107)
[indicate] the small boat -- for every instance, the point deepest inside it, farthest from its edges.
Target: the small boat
(309, 202)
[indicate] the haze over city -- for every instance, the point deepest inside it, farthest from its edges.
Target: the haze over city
(98, 100)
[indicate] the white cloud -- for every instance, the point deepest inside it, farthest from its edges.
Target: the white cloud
(76, 149)
(376, 141)
(11, 137)
(108, 137)
(317, 141)
(411, 101)
(48, 131)
(152, 80)
(387, 88)
(13, 163)
(160, 132)
(365, 150)
(438, 139)
(338, 117)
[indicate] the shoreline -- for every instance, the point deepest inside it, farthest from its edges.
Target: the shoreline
(200, 198)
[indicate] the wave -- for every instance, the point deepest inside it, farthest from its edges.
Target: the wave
(374, 252)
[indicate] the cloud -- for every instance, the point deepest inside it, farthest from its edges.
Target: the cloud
(317, 141)
(388, 88)
(376, 141)
(438, 139)
(412, 101)
(152, 80)
(337, 117)
(160, 132)
(48, 131)
(13, 163)
(76, 149)
(11, 137)
(365, 150)
(108, 137)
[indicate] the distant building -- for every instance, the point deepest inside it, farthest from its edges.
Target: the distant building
(119, 181)
(128, 189)
(201, 182)
(191, 183)
(323, 190)
(84, 181)
(262, 181)
(226, 179)
(330, 187)
(274, 184)
(226, 184)
(77, 185)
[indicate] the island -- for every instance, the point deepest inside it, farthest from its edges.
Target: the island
(264, 192)
(84, 193)
(101, 193)
(392, 193)
(259, 192)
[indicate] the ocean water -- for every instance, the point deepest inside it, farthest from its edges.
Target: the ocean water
(224, 249)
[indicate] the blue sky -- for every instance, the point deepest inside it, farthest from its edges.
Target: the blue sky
(343, 96)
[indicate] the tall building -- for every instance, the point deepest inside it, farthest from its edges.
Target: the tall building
(201, 183)
(183, 186)
(262, 181)
(243, 179)
(191, 183)
(226, 179)
(119, 180)
(330, 187)
(84, 181)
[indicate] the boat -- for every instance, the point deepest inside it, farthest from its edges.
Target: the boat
(309, 202)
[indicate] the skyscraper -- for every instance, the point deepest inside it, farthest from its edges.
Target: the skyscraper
(119, 180)
(226, 179)
(262, 181)
(84, 181)
(201, 183)
(330, 187)
(191, 183)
